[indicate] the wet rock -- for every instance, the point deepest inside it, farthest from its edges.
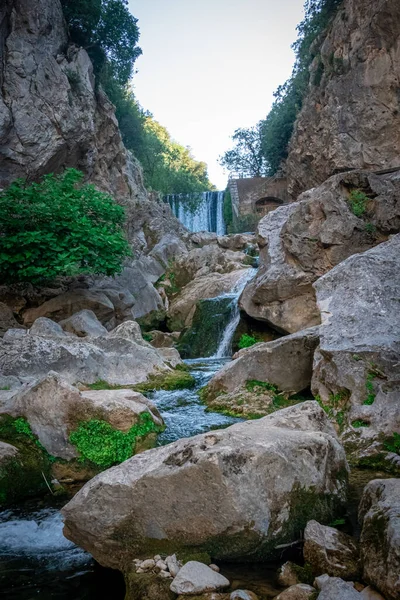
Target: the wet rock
(84, 324)
(330, 551)
(183, 306)
(285, 363)
(300, 591)
(334, 588)
(379, 515)
(196, 578)
(243, 595)
(293, 454)
(357, 369)
(302, 241)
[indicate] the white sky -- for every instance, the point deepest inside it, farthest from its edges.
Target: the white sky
(211, 66)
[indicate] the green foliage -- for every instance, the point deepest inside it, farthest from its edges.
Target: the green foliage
(370, 399)
(358, 201)
(359, 423)
(246, 341)
(392, 444)
(178, 379)
(246, 157)
(253, 384)
(59, 226)
(109, 33)
(336, 407)
(370, 228)
(228, 210)
(5, 388)
(105, 446)
(22, 426)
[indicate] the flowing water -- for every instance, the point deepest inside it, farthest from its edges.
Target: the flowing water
(208, 215)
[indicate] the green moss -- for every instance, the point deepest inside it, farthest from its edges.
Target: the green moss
(336, 406)
(246, 341)
(377, 462)
(253, 385)
(5, 388)
(105, 446)
(304, 574)
(370, 399)
(392, 444)
(177, 379)
(359, 423)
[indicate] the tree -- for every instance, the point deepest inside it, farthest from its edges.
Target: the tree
(59, 226)
(109, 33)
(246, 158)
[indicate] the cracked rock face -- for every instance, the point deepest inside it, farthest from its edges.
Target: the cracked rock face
(238, 492)
(351, 117)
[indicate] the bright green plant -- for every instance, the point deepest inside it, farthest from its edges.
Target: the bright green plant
(246, 341)
(59, 226)
(105, 446)
(392, 444)
(358, 202)
(359, 423)
(253, 384)
(370, 399)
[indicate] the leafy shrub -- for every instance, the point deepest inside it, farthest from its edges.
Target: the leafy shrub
(392, 444)
(358, 202)
(246, 341)
(59, 226)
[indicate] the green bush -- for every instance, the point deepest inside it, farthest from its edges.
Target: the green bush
(246, 341)
(59, 226)
(358, 202)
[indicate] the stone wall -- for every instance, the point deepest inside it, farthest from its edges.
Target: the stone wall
(257, 195)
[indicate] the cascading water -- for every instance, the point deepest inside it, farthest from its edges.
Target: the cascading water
(207, 216)
(225, 343)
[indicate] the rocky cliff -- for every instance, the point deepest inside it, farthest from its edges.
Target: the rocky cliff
(52, 116)
(351, 115)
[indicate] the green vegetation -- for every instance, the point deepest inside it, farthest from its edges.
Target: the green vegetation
(336, 407)
(246, 158)
(228, 211)
(370, 399)
(358, 201)
(359, 423)
(179, 379)
(255, 385)
(59, 226)
(105, 446)
(246, 341)
(5, 388)
(274, 133)
(392, 444)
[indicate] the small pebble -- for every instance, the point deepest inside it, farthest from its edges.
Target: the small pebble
(214, 568)
(157, 558)
(140, 570)
(160, 564)
(148, 564)
(165, 574)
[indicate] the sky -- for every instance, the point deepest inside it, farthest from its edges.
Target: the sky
(211, 66)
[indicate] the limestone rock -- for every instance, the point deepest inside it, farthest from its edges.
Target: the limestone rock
(330, 551)
(302, 241)
(45, 327)
(171, 356)
(250, 487)
(357, 369)
(173, 565)
(162, 339)
(130, 330)
(349, 118)
(196, 578)
(243, 595)
(300, 591)
(54, 409)
(287, 574)
(84, 324)
(65, 305)
(368, 593)
(285, 363)
(379, 515)
(7, 451)
(237, 241)
(335, 588)
(7, 319)
(112, 359)
(183, 306)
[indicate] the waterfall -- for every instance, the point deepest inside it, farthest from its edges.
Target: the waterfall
(208, 216)
(225, 343)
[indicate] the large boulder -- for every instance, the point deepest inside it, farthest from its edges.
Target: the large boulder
(84, 324)
(300, 242)
(379, 515)
(20, 474)
(330, 551)
(357, 368)
(54, 410)
(285, 363)
(113, 358)
(241, 492)
(334, 588)
(65, 305)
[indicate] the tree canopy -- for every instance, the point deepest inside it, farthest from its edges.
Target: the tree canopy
(59, 226)
(246, 158)
(276, 129)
